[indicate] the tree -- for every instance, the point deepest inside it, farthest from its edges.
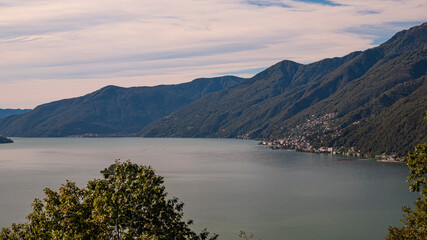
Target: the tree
(128, 203)
(415, 221)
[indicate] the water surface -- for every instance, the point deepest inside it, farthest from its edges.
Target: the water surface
(227, 185)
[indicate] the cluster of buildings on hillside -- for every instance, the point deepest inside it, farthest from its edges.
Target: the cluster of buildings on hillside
(298, 144)
(313, 128)
(302, 145)
(319, 129)
(85, 135)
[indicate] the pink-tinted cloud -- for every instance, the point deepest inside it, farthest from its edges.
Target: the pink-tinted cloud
(59, 49)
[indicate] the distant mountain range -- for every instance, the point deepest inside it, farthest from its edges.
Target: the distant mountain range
(110, 111)
(8, 112)
(373, 100)
(377, 99)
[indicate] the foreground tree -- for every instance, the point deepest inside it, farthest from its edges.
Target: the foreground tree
(415, 221)
(129, 203)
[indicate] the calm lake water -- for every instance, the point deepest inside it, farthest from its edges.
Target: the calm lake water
(227, 185)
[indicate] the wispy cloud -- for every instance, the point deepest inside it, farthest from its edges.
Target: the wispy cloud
(57, 49)
(326, 2)
(267, 3)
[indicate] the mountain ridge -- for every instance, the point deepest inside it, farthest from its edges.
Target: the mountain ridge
(372, 100)
(8, 112)
(111, 110)
(273, 109)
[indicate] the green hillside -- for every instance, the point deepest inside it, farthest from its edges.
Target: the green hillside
(8, 112)
(110, 111)
(377, 98)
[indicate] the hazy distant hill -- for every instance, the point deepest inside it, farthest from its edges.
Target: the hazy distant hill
(8, 112)
(378, 98)
(111, 110)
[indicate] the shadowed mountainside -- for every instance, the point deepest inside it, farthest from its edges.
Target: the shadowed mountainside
(111, 110)
(8, 112)
(378, 97)
(373, 100)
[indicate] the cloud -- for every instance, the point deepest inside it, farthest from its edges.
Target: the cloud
(56, 49)
(326, 2)
(266, 3)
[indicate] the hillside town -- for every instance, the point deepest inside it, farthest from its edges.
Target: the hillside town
(320, 128)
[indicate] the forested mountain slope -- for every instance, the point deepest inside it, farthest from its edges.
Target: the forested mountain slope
(377, 99)
(111, 110)
(8, 112)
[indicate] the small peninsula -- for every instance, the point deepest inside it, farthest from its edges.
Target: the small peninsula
(5, 140)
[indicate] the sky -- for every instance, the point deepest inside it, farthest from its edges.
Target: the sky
(56, 49)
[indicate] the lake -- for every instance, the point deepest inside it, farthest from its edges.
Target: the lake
(227, 185)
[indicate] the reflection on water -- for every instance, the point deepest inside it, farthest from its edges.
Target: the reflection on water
(227, 185)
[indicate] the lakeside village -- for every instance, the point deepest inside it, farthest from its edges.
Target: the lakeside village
(322, 127)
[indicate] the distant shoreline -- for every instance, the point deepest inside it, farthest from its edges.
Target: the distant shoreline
(5, 140)
(275, 145)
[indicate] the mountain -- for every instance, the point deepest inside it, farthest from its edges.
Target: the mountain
(8, 112)
(373, 100)
(111, 110)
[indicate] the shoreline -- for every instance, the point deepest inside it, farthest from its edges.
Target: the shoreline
(276, 145)
(4, 140)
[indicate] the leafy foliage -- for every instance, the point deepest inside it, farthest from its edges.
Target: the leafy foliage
(415, 221)
(128, 203)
